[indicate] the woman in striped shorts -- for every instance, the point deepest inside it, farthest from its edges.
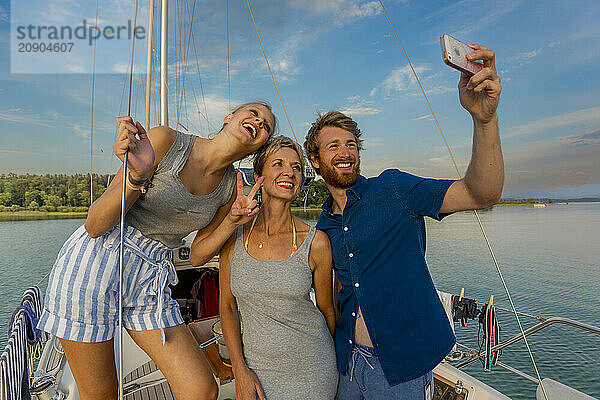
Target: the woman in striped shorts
(193, 187)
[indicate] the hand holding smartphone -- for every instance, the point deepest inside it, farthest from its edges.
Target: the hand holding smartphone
(454, 54)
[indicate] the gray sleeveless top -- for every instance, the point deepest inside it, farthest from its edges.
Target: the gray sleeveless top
(168, 212)
(285, 338)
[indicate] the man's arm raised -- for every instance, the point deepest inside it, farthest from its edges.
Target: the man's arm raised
(479, 94)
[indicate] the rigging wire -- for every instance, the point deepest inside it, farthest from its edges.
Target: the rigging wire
(177, 64)
(124, 85)
(92, 115)
(208, 124)
(474, 211)
(198, 113)
(537, 317)
(271, 71)
(228, 75)
(91, 129)
(185, 59)
(122, 222)
(156, 77)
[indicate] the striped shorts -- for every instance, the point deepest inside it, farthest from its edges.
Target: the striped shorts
(82, 298)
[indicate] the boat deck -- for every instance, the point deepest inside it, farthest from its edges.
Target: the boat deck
(147, 388)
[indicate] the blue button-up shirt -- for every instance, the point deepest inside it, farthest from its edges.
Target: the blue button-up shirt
(378, 246)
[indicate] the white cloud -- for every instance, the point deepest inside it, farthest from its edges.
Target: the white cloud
(440, 89)
(490, 12)
(357, 110)
(18, 116)
(120, 68)
(82, 131)
(575, 117)
(570, 160)
(423, 117)
(19, 153)
(326, 15)
(360, 106)
(528, 55)
(203, 119)
(354, 10)
(76, 68)
(344, 10)
(399, 80)
(588, 138)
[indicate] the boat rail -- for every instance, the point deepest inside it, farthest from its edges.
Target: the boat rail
(475, 355)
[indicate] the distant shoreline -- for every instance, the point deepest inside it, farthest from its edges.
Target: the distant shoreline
(43, 215)
(40, 215)
(525, 203)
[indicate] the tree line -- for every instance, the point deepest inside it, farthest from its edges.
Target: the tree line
(72, 192)
(49, 192)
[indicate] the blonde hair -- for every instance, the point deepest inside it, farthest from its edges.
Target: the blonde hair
(271, 147)
(335, 119)
(265, 104)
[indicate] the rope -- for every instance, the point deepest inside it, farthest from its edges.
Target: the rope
(42, 280)
(271, 71)
(228, 74)
(474, 211)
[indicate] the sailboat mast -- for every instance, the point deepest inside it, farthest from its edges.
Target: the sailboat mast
(164, 118)
(149, 64)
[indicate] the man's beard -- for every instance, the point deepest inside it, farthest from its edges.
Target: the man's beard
(336, 179)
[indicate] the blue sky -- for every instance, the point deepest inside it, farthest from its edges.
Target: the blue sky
(336, 54)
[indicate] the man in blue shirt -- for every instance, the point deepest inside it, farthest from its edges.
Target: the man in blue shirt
(392, 330)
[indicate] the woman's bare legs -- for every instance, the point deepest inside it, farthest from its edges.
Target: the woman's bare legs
(180, 360)
(93, 366)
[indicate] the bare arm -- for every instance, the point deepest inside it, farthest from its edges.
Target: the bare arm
(238, 210)
(144, 155)
(247, 384)
(479, 95)
(337, 288)
(321, 264)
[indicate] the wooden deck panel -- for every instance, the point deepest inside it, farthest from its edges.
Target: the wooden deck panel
(157, 392)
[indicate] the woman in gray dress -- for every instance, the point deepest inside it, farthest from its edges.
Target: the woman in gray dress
(267, 269)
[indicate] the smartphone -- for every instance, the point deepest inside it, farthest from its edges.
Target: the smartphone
(454, 54)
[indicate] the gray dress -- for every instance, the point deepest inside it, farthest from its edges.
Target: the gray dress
(285, 337)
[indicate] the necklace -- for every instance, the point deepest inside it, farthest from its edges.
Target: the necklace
(260, 245)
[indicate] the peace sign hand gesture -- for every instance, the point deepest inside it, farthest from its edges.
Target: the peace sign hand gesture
(480, 93)
(244, 207)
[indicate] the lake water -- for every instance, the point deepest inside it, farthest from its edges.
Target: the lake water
(550, 259)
